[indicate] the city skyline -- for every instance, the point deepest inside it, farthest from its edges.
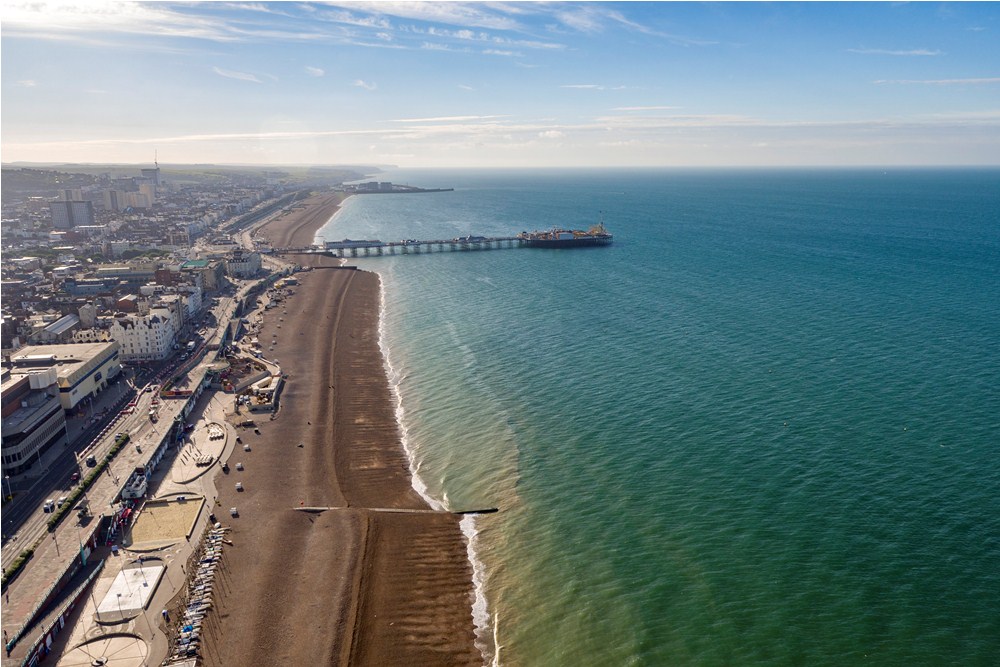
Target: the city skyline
(431, 84)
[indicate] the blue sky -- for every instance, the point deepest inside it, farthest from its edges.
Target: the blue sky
(494, 84)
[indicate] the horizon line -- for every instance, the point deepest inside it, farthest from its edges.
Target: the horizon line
(348, 165)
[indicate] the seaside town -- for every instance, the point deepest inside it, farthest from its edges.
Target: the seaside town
(133, 362)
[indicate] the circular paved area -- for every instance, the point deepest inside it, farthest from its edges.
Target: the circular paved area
(119, 650)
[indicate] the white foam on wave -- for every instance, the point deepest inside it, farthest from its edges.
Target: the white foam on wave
(485, 635)
(484, 629)
(395, 379)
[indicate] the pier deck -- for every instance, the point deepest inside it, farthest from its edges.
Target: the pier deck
(376, 248)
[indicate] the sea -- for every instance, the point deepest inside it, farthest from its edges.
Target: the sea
(761, 428)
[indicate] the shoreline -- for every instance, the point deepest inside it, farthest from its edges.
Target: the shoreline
(484, 624)
(347, 585)
(394, 379)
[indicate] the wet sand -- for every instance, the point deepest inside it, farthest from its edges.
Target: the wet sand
(346, 586)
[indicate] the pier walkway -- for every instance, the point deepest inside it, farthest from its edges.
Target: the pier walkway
(376, 248)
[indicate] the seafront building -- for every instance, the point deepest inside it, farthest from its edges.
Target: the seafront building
(79, 370)
(144, 338)
(103, 268)
(33, 419)
(241, 264)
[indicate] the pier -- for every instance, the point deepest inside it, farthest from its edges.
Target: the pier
(376, 248)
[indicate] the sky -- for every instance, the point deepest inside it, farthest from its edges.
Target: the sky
(501, 84)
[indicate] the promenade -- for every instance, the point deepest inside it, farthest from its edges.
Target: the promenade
(115, 620)
(36, 584)
(44, 581)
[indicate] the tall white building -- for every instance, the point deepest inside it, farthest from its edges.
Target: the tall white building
(135, 200)
(242, 264)
(145, 337)
(113, 201)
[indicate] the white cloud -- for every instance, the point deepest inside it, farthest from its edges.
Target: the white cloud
(112, 22)
(335, 15)
(27, 83)
(433, 46)
(943, 82)
(442, 119)
(474, 15)
(367, 85)
(456, 141)
(54, 20)
(239, 76)
(652, 108)
(891, 52)
(581, 18)
(314, 71)
(991, 117)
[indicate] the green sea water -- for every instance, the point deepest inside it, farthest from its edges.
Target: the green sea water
(762, 428)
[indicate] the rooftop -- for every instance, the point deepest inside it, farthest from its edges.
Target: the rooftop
(44, 356)
(35, 402)
(195, 264)
(63, 324)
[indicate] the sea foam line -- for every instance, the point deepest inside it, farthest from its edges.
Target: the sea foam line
(480, 608)
(395, 380)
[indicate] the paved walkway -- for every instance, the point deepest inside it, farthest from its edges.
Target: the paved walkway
(145, 625)
(56, 549)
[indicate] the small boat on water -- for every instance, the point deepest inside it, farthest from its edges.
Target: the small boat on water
(567, 238)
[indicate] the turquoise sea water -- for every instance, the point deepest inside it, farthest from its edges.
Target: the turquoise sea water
(762, 428)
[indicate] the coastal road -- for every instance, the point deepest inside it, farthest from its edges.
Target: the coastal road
(24, 518)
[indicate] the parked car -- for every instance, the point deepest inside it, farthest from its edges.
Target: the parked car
(49, 506)
(75, 477)
(91, 461)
